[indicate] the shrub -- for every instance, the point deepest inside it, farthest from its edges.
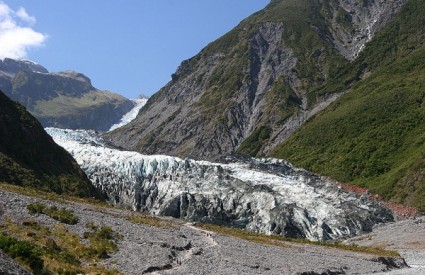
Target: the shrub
(36, 208)
(102, 241)
(24, 251)
(62, 215)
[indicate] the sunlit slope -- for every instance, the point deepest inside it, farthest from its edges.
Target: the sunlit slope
(374, 135)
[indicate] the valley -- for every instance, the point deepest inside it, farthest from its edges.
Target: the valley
(293, 144)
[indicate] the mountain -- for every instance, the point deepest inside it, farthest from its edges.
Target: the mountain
(252, 88)
(268, 196)
(30, 157)
(353, 70)
(65, 99)
(373, 136)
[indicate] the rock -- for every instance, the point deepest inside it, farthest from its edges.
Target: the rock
(9, 267)
(140, 249)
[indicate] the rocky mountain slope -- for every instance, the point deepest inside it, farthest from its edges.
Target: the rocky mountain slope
(256, 85)
(268, 196)
(64, 99)
(30, 157)
(374, 135)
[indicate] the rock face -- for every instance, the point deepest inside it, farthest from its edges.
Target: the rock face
(252, 88)
(30, 157)
(8, 266)
(13, 66)
(268, 196)
(366, 17)
(64, 99)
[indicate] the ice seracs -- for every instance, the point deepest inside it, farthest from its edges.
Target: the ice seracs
(267, 195)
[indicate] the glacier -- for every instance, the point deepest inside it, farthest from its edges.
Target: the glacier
(262, 195)
(132, 114)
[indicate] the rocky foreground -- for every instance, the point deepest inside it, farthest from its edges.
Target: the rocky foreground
(182, 248)
(405, 236)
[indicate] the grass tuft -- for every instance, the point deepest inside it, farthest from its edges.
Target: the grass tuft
(144, 218)
(62, 215)
(286, 242)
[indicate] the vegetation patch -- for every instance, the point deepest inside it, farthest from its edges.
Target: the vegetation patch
(102, 241)
(24, 252)
(62, 215)
(144, 218)
(286, 242)
(253, 144)
(56, 250)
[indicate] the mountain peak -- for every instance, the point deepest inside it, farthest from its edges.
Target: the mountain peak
(13, 66)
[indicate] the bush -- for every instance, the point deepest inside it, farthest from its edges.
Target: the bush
(36, 208)
(22, 250)
(62, 215)
(102, 241)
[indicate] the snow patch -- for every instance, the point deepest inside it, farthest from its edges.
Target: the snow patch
(132, 114)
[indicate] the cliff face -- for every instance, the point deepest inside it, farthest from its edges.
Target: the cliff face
(353, 23)
(252, 88)
(29, 156)
(64, 99)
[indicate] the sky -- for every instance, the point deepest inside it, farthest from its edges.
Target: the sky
(130, 47)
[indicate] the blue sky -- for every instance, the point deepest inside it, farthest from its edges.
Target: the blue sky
(129, 46)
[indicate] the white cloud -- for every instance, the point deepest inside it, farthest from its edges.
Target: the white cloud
(22, 13)
(16, 34)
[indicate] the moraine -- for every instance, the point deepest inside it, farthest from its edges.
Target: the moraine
(268, 195)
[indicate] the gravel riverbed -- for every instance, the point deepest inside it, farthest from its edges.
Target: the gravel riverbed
(186, 249)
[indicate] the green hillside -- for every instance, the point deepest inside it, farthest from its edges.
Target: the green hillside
(374, 136)
(64, 100)
(30, 157)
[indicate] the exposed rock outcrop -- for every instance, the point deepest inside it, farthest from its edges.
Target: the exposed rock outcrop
(363, 19)
(252, 88)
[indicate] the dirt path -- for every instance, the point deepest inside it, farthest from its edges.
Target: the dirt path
(209, 235)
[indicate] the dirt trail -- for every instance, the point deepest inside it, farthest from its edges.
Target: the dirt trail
(209, 235)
